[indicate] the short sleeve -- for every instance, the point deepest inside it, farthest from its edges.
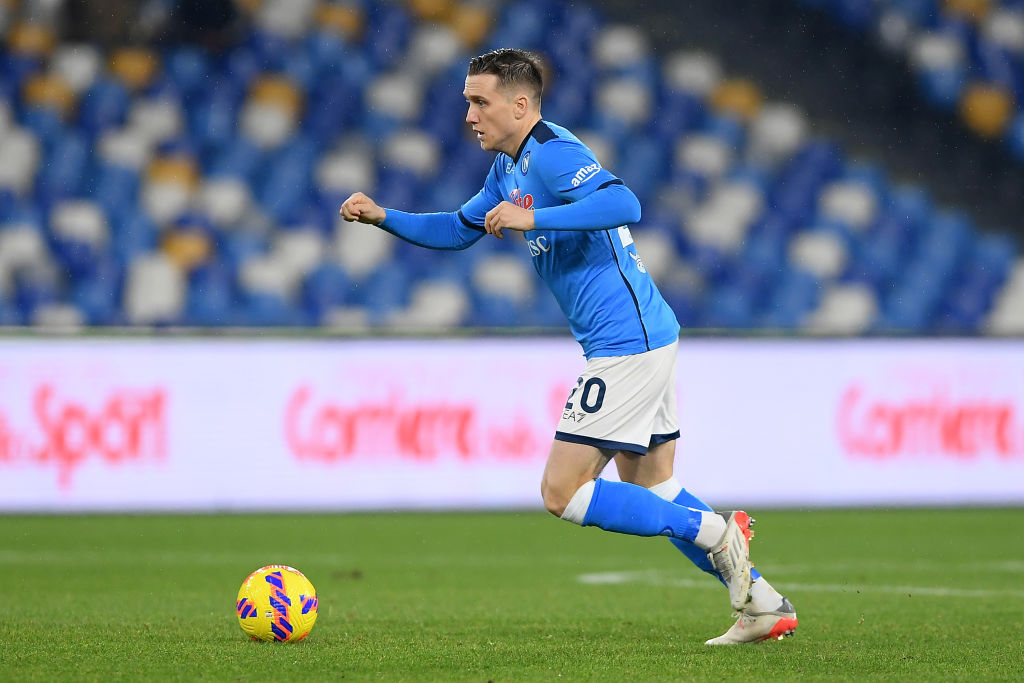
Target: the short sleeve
(569, 169)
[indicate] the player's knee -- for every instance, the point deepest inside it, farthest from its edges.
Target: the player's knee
(555, 497)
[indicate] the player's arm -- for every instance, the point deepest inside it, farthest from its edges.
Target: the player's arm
(594, 198)
(431, 230)
(609, 206)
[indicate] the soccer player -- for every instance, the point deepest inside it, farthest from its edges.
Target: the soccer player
(574, 215)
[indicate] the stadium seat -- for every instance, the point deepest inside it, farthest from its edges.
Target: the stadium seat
(154, 291)
(845, 309)
(97, 293)
(433, 305)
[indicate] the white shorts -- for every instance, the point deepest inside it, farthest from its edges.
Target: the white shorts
(625, 403)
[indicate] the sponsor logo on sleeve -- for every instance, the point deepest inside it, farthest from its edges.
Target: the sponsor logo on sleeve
(585, 174)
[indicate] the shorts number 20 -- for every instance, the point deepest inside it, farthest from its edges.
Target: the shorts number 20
(590, 402)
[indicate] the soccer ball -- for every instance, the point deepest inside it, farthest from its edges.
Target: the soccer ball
(276, 602)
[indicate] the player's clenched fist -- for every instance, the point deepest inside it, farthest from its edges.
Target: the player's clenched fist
(361, 208)
(508, 215)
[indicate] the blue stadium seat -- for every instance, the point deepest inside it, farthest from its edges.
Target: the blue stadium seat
(327, 286)
(263, 309)
(105, 105)
(97, 293)
(211, 301)
(385, 291)
(44, 122)
(795, 295)
(387, 35)
(729, 307)
(36, 286)
(188, 67)
(62, 175)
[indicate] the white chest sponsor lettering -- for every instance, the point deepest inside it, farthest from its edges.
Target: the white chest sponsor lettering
(538, 245)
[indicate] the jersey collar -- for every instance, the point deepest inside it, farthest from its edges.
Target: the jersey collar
(529, 135)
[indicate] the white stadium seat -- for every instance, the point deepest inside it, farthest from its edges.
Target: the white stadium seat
(505, 276)
(848, 309)
(154, 290)
(80, 220)
(225, 200)
(818, 252)
(851, 203)
(694, 72)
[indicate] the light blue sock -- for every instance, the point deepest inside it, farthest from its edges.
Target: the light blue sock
(631, 509)
(697, 556)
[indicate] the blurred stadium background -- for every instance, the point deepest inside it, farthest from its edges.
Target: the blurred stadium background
(838, 167)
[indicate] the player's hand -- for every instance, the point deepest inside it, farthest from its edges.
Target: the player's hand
(508, 216)
(361, 208)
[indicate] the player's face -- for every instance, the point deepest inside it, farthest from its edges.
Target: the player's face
(492, 114)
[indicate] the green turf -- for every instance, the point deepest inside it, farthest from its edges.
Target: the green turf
(899, 594)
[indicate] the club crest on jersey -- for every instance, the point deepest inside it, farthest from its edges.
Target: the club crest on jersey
(523, 201)
(524, 165)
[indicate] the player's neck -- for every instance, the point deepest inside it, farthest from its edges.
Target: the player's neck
(524, 132)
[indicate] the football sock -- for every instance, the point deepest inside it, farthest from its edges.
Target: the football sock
(630, 509)
(671, 489)
(763, 598)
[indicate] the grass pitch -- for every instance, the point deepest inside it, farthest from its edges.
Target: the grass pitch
(897, 594)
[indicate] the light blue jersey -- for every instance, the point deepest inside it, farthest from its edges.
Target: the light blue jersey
(613, 306)
(581, 245)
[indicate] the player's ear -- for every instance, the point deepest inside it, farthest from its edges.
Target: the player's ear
(521, 105)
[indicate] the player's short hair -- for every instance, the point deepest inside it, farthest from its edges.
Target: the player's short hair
(513, 67)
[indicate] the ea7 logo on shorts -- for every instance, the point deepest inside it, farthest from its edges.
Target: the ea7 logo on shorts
(523, 201)
(585, 174)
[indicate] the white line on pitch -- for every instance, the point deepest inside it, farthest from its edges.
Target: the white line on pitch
(660, 578)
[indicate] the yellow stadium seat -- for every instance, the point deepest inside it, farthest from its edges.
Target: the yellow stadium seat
(341, 19)
(135, 67)
(431, 10)
(738, 97)
(970, 9)
(49, 91)
(471, 23)
(986, 108)
(187, 248)
(31, 40)
(277, 90)
(173, 169)
(248, 6)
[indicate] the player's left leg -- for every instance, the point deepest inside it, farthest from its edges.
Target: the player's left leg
(768, 614)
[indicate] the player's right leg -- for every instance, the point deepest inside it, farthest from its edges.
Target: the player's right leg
(571, 491)
(729, 559)
(756, 625)
(768, 614)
